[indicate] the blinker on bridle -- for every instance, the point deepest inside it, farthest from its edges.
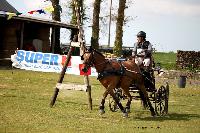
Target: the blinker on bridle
(89, 63)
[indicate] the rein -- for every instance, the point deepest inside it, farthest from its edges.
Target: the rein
(130, 70)
(137, 73)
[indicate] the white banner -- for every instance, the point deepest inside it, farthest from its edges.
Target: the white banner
(48, 62)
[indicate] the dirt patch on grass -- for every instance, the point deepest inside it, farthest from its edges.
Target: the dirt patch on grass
(3, 86)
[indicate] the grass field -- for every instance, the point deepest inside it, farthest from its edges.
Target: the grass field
(25, 98)
(167, 60)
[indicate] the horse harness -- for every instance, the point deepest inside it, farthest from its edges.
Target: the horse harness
(119, 72)
(105, 73)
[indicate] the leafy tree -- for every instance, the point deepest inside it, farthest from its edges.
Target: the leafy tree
(82, 12)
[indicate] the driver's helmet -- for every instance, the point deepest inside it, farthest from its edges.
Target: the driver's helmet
(141, 34)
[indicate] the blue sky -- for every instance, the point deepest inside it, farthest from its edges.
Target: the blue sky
(170, 25)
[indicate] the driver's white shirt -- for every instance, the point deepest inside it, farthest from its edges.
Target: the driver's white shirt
(139, 61)
(140, 51)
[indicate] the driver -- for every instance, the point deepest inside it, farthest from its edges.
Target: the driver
(142, 50)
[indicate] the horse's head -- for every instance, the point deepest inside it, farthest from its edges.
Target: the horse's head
(88, 60)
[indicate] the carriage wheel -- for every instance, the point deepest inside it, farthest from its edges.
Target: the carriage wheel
(112, 104)
(167, 94)
(161, 100)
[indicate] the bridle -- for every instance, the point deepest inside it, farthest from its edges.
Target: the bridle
(92, 62)
(88, 63)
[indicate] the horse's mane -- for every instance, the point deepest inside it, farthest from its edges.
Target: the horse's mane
(98, 52)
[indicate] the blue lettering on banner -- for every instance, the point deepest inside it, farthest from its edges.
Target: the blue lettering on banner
(34, 57)
(29, 57)
(46, 59)
(38, 56)
(20, 56)
(46, 62)
(39, 61)
(54, 60)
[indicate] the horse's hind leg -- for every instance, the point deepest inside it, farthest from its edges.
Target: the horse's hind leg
(128, 104)
(127, 93)
(146, 100)
(101, 107)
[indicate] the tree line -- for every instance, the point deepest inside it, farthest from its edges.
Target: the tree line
(120, 21)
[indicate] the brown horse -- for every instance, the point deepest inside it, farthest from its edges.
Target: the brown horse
(113, 74)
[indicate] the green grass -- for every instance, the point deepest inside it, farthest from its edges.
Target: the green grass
(167, 60)
(25, 98)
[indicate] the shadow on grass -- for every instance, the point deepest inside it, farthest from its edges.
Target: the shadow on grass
(172, 116)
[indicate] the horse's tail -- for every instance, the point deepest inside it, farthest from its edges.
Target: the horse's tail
(143, 99)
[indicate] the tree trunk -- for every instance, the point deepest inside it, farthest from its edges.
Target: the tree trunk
(82, 12)
(75, 21)
(95, 27)
(56, 17)
(117, 50)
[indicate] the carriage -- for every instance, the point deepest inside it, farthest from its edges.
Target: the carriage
(158, 96)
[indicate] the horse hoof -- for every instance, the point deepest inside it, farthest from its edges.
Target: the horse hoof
(125, 115)
(101, 111)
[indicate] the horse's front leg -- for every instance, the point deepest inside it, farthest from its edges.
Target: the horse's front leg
(125, 114)
(125, 86)
(101, 107)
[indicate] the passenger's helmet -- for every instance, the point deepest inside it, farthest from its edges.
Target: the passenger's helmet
(141, 34)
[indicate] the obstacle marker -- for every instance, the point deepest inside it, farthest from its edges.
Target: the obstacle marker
(77, 42)
(71, 86)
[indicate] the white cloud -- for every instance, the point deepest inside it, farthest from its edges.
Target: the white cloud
(33, 4)
(166, 7)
